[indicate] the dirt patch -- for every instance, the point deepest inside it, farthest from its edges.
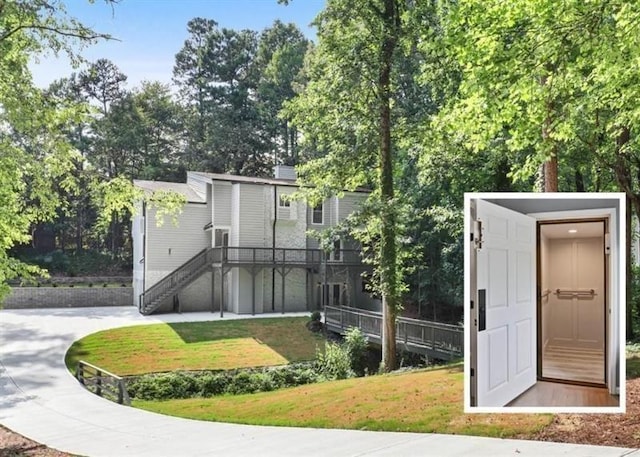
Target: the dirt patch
(622, 430)
(15, 445)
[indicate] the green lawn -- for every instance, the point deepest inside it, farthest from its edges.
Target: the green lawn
(425, 401)
(197, 346)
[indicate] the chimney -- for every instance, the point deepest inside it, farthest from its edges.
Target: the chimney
(286, 172)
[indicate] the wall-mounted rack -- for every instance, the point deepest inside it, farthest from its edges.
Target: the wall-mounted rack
(575, 293)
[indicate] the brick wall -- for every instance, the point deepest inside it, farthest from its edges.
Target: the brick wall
(68, 297)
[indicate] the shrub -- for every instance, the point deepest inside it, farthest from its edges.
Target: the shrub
(206, 384)
(334, 363)
(212, 384)
(163, 386)
(356, 342)
(315, 322)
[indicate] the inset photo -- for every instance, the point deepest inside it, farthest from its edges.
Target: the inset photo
(545, 302)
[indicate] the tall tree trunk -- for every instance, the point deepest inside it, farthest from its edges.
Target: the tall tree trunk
(629, 273)
(551, 174)
(390, 21)
(550, 166)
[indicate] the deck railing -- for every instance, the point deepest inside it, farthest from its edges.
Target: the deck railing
(445, 340)
(284, 256)
(154, 296)
(102, 383)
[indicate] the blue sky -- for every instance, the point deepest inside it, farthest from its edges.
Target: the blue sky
(151, 32)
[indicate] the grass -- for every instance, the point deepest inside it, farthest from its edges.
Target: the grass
(427, 401)
(197, 346)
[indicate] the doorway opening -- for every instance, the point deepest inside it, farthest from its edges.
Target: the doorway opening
(572, 316)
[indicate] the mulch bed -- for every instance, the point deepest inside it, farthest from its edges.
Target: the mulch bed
(14, 445)
(621, 430)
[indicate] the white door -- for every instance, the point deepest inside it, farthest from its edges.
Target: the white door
(506, 324)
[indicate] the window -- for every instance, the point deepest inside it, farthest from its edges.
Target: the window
(317, 216)
(337, 251)
(283, 202)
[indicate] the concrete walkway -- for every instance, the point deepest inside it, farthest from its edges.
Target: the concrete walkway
(41, 400)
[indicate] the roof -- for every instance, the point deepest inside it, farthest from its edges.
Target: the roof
(254, 180)
(183, 189)
(245, 179)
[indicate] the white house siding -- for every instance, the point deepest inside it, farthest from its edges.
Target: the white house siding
(221, 216)
(169, 246)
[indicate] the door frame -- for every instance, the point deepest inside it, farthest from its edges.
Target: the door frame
(614, 213)
(614, 295)
(540, 342)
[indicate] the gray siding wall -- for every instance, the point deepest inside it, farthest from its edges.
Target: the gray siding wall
(221, 204)
(252, 215)
(169, 246)
(349, 203)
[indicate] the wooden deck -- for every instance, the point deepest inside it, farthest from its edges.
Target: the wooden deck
(283, 257)
(433, 339)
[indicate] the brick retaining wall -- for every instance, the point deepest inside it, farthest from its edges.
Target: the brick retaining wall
(68, 297)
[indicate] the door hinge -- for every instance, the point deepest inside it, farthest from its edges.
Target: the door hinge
(477, 234)
(471, 304)
(473, 372)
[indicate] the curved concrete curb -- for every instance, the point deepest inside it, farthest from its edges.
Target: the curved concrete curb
(41, 400)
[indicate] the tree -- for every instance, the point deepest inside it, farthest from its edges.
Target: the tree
(552, 85)
(33, 154)
(280, 57)
(217, 76)
(347, 112)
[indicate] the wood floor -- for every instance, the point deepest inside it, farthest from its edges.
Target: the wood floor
(573, 364)
(554, 394)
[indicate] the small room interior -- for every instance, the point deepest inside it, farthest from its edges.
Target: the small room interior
(572, 306)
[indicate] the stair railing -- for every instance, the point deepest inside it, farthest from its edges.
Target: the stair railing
(178, 277)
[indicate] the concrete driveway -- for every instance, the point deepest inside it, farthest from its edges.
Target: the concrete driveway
(41, 400)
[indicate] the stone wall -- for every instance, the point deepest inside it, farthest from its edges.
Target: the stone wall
(67, 297)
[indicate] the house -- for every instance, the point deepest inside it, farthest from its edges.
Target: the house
(241, 246)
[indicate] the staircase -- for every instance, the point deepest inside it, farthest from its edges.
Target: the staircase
(178, 279)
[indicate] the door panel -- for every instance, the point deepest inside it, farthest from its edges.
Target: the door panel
(506, 269)
(577, 321)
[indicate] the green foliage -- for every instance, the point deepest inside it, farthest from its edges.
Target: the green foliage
(166, 386)
(334, 363)
(35, 157)
(316, 316)
(356, 343)
(85, 263)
